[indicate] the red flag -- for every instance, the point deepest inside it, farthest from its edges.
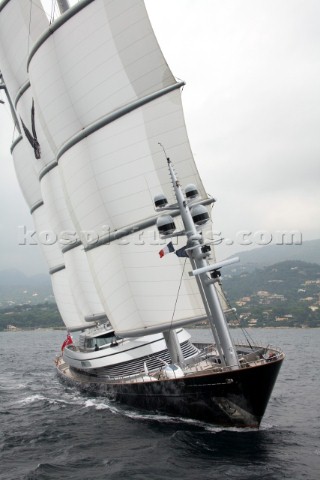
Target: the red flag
(68, 341)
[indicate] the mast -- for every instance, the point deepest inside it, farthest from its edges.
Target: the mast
(212, 304)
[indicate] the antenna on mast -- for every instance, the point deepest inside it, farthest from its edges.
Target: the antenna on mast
(164, 151)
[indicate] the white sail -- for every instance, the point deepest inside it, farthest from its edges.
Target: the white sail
(58, 222)
(145, 293)
(27, 21)
(107, 98)
(103, 57)
(71, 316)
(31, 189)
(112, 175)
(82, 285)
(45, 237)
(58, 219)
(66, 302)
(26, 173)
(75, 259)
(21, 23)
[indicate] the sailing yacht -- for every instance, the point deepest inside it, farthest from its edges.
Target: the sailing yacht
(104, 162)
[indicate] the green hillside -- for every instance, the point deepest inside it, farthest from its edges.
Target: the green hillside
(31, 316)
(284, 294)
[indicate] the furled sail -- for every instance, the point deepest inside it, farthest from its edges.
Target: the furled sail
(106, 98)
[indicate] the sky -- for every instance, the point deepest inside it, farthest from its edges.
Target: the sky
(252, 110)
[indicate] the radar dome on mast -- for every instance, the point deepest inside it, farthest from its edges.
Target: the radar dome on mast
(199, 214)
(160, 200)
(166, 225)
(191, 191)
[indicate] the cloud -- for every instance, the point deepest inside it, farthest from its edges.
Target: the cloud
(252, 106)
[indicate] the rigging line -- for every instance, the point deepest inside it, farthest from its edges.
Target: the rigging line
(179, 288)
(247, 336)
(53, 6)
(245, 333)
(30, 16)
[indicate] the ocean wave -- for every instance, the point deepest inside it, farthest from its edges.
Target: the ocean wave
(30, 399)
(100, 405)
(71, 400)
(46, 470)
(167, 419)
(161, 418)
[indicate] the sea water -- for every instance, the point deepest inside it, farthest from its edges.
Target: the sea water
(51, 431)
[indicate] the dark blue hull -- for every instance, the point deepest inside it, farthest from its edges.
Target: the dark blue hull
(233, 398)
